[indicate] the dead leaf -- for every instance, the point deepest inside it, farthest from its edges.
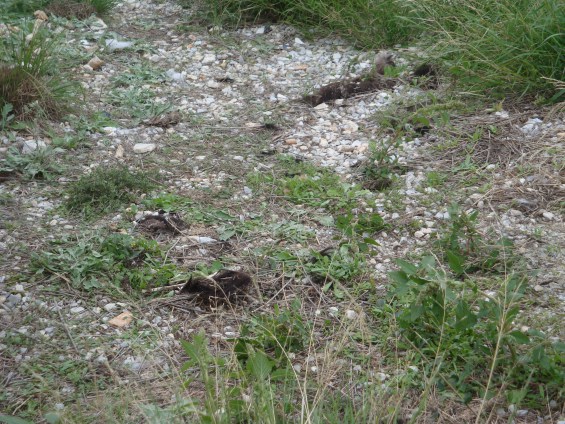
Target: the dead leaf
(40, 14)
(119, 152)
(122, 320)
(164, 121)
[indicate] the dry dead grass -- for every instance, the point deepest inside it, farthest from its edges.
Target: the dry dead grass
(24, 90)
(71, 9)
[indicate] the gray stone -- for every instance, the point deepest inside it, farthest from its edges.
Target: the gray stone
(77, 310)
(110, 307)
(113, 45)
(14, 299)
(144, 147)
(209, 58)
(30, 146)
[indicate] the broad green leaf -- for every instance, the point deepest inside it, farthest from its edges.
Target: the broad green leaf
(407, 267)
(371, 241)
(52, 418)
(559, 346)
(226, 235)
(326, 220)
(285, 256)
(456, 262)
(519, 337)
(282, 374)
(223, 215)
(399, 277)
(6, 419)
(259, 365)
(428, 262)
(416, 311)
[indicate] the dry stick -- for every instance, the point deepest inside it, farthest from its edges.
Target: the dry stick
(164, 288)
(67, 331)
(179, 285)
(172, 247)
(290, 280)
(65, 279)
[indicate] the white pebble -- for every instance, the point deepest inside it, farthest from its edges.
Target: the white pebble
(350, 314)
(77, 310)
(110, 307)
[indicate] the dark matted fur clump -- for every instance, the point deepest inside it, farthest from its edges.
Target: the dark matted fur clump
(427, 76)
(223, 285)
(344, 89)
(162, 223)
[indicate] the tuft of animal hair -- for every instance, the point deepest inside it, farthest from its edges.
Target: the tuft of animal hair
(223, 285)
(346, 88)
(383, 60)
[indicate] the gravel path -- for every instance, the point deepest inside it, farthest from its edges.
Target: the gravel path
(236, 96)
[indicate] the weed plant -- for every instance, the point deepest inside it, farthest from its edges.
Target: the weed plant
(469, 344)
(113, 261)
(38, 164)
(466, 251)
(30, 80)
(379, 170)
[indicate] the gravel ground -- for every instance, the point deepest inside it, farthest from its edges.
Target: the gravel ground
(225, 85)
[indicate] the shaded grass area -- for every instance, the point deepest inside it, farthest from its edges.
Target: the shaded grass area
(366, 23)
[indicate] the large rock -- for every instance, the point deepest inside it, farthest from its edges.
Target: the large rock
(144, 147)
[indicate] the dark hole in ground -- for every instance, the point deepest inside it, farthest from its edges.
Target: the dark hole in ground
(426, 76)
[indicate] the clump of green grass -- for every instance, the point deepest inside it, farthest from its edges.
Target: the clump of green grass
(303, 183)
(103, 6)
(30, 80)
(105, 190)
(504, 46)
(20, 8)
(65, 8)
